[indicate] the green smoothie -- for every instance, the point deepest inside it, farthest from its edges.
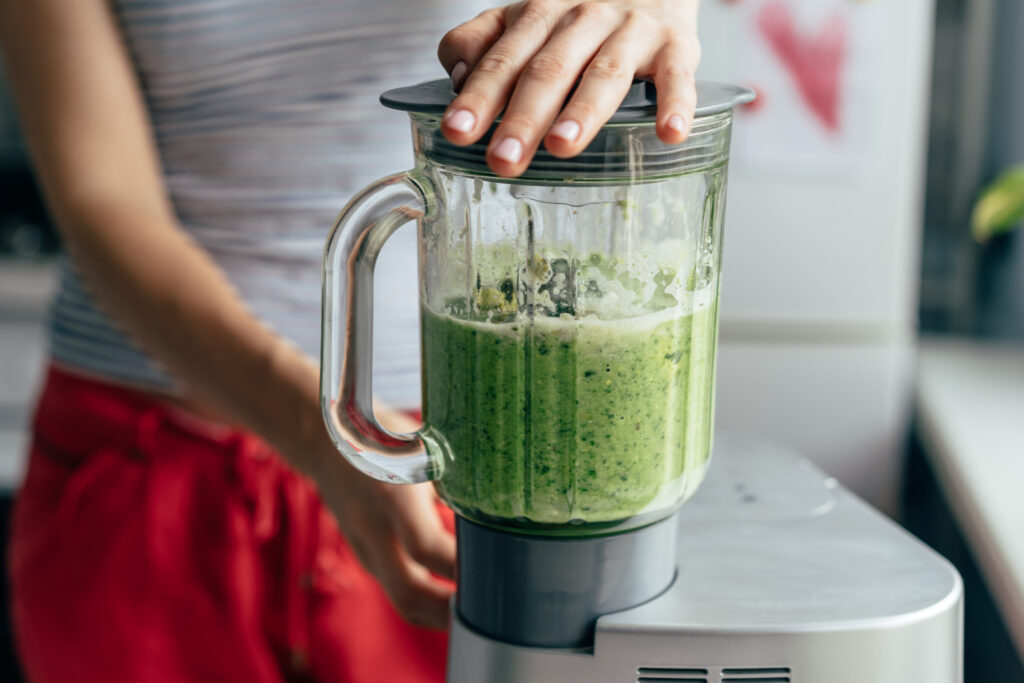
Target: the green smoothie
(569, 420)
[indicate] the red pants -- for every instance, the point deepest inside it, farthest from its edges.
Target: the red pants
(148, 548)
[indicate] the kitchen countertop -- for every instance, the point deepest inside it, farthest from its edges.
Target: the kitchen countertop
(970, 404)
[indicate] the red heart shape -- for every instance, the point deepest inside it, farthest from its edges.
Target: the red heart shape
(814, 62)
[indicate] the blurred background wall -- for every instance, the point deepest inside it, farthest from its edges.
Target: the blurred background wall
(820, 289)
(849, 206)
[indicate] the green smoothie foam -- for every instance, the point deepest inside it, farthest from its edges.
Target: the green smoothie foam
(565, 419)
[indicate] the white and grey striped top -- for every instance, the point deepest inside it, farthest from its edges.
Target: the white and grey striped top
(266, 118)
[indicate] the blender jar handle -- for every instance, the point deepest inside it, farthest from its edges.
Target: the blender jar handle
(346, 391)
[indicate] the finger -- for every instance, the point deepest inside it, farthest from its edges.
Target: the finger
(421, 599)
(602, 88)
(488, 87)
(418, 596)
(421, 530)
(544, 84)
(674, 69)
(465, 44)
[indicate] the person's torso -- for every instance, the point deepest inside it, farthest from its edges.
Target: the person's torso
(266, 117)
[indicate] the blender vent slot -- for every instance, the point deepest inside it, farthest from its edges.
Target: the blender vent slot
(760, 674)
(678, 674)
(667, 674)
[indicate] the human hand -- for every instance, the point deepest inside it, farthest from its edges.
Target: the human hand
(396, 532)
(529, 55)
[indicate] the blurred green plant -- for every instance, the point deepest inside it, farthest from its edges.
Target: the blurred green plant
(1000, 208)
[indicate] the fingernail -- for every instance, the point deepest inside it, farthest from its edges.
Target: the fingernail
(461, 120)
(509, 150)
(458, 73)
(567, 130)
(676, 123)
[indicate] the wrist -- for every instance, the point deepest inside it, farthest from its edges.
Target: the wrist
(288, 411)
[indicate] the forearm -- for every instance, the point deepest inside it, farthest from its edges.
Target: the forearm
(177, 303)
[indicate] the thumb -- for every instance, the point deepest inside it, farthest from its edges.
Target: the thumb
(421, 531)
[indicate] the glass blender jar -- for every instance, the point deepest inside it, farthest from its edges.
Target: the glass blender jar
(568, 321)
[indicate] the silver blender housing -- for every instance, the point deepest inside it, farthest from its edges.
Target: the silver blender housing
(783, 576)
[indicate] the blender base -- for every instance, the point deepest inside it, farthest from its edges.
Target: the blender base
(549, 592)
(783, 577)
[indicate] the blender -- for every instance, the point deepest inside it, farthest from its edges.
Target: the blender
(568, 330)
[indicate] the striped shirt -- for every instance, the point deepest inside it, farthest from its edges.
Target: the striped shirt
(266, 118)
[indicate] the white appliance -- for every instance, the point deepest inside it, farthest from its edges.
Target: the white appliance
(783, 576)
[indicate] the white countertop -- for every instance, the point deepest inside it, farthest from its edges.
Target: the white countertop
(970, 400)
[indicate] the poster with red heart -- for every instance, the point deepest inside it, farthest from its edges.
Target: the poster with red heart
(813, 65)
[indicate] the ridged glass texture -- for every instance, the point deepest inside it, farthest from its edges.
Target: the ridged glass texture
(569, 334)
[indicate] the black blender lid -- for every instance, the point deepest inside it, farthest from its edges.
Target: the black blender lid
(640, 105)
(626, 152)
